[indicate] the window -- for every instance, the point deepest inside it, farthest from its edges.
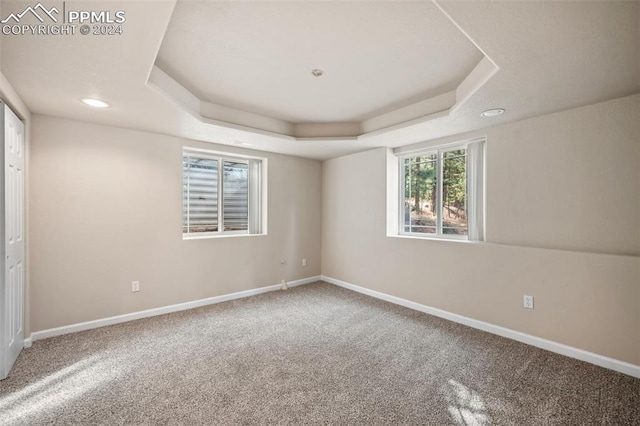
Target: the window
(221, 194)
(441, 192)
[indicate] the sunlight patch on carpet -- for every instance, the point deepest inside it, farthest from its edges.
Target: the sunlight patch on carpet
(466, 406)
(58, 388)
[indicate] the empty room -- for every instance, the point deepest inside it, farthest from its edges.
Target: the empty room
(320, 212)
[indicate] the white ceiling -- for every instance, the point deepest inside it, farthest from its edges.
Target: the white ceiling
(551, 56)
(258, 57)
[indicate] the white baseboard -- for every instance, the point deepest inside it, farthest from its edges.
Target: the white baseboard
(593, 358)
(590, 357)
(58, 331)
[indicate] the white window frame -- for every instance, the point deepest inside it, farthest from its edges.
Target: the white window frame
(257, 194)
(475, 158)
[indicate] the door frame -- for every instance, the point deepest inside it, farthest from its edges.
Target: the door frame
(4, 324)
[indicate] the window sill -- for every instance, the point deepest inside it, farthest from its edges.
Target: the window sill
(186, 237)
(451, 240)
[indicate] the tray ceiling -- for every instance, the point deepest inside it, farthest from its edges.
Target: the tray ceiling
(551, 56)
(258, 57)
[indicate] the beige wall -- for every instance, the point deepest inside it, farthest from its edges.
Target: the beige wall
(106, 207)
(563, 225)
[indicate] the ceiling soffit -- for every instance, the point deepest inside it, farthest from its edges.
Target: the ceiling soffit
(435, 99)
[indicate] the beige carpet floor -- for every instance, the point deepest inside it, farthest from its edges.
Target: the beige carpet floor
(315, 354)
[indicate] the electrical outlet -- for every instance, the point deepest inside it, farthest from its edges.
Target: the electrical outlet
(135, 286)
(304, 261)
(528, 302)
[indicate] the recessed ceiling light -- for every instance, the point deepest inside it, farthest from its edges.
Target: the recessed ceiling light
(95, 103)
(492, 112)
(317, 72)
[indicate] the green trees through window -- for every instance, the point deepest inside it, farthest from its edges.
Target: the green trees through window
(431, 206)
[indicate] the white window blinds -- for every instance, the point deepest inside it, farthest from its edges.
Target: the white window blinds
(199, 195)
(221, 194)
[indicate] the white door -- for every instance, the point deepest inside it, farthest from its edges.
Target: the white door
(14, 245)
